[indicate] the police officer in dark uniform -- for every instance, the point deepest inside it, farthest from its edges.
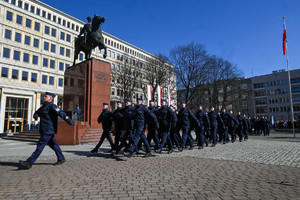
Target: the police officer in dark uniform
(78, 112)
(118, 115)
(255, 123)
(215, 120)
(165, 119)
(174, 133)
(185, 119)
(128, 123)
(152, 134)
(48, 127)
(106, 119)
(139, 115)
(233, 123)
(242, 125)
(203, 121)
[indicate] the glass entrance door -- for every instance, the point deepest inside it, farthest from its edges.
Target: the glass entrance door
(16, 111)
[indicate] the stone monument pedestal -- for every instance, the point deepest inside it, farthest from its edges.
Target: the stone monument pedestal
(87, 84)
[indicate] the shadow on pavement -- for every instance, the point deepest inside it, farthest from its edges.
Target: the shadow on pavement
(100, 155)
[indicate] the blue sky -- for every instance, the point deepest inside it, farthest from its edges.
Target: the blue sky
(248, 33)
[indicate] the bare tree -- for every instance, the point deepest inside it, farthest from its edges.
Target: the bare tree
(191, 67)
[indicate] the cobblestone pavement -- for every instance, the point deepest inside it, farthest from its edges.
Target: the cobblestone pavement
(255, 169)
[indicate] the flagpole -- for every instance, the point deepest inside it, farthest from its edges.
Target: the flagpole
(289, 80)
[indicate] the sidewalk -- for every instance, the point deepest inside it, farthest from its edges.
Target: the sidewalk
(260, 168)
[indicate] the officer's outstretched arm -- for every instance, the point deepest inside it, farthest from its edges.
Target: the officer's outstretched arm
(62, 114)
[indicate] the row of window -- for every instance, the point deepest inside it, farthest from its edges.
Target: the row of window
(47, 46)
(44, 14)
(37, 26)
(276, 83)
(25, 76)
(26, 59)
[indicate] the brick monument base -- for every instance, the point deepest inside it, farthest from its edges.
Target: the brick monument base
(87, 84)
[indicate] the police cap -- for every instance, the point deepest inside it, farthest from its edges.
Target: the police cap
(50, 94)
(183, 102)
(139, 99)
(105, 104)
(128, 100)
(120, 102)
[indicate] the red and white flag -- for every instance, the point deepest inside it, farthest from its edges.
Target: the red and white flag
(284, 38)
(169, 95)
(159, 95)
(150, 92)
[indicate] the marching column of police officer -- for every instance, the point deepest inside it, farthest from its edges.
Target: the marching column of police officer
(164, 125)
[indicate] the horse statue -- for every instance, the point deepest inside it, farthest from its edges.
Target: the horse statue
(91, 39)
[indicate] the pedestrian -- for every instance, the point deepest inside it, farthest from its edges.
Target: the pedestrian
(128, 123)
(118, 116)
(185, 119)
(204, 122)
(106, 119)
(48, 114)
(152, 133)
(215, 121)
(139, 114)
(166, 118)
(174, 133)
(241, 126)
(233, 124)
(78, 112)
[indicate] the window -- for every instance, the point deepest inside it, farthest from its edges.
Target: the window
(27, 40)
(18, 37)
(62, 35)
(68, 52)
(80, 56)
(54, 18)
(59, 20)
(49, 16)
(113, 54)
(37, 26)
(67, 66)
(68, 38)
(60, 82)
(46, 46)
(13, 2)
(51, 80)
(44, 79)
(33, 77)
(24, 76)
(7, 34)
(26, 6)
(36, 43)
(28, 23)
(53, 48)
(44, 14)
(19, 19)
(4, 72)
(32, 9)
(61, 66)
(45, 62)
(53, 32)
(52, 64)
(20, 3)
(14, 74)
(9, 16)
(47, 30)
(34, 60)
(26, 57)
(6, 52)
(38, 11)
(16, 55)
(62, 51)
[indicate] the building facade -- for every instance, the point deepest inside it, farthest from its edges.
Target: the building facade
(37, 46)
(271, 95)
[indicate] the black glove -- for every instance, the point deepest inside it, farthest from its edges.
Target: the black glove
(35, 116)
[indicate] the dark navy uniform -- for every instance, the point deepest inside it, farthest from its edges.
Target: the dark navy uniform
(118, 116)
(241, 126)
(203, 121)
(106, 119)
(140, 113)
(255, 123)
(215, 120)
(152, 134)
(165, 119)
(79, 113)
(185, 119)
(48, 114)
(128, 123)
(233, 123)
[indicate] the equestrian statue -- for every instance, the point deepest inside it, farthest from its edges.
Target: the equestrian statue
(92, 38)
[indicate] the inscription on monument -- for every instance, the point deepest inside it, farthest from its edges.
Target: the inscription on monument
(100, 77)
